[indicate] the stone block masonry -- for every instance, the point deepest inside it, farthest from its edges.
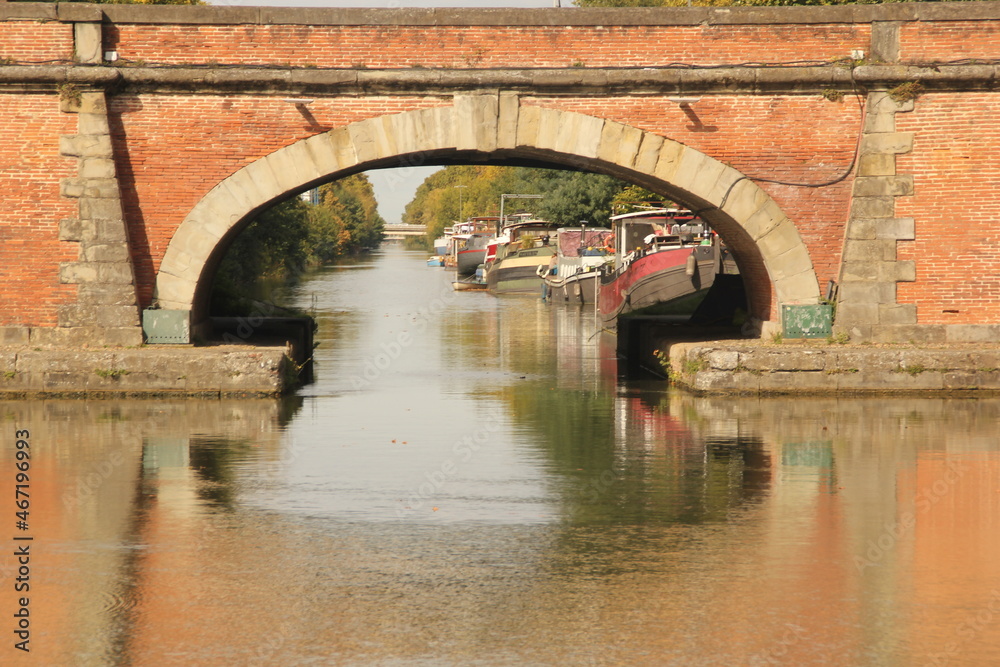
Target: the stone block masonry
(146, 371)
(732, 367)
(870, 267)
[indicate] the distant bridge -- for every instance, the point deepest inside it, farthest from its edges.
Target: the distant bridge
(400, 231)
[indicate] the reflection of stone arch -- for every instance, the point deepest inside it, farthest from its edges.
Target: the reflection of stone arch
(772, 256)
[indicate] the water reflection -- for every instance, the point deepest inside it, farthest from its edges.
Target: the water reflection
(491, 493)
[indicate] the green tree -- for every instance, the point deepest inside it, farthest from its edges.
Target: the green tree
(576, 196)
(568, 196)
(352, 201)
(292, 237)
(635, 197)
(272, 246)
(476, 187)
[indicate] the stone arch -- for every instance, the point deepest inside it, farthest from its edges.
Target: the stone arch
(769, 249)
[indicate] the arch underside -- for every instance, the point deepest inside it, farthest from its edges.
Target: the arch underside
(770, 252)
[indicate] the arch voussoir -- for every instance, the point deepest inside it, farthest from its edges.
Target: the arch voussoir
(297, 164)
(578, 135)
(744, 200)
(650, 152)
(263, 179)
(619, 144)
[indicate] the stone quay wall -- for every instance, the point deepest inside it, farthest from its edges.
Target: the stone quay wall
(732, 367)
(147, 371)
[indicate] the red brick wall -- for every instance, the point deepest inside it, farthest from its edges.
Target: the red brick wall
(36, 42)
(956, 174)
(947, 41)
(485, 46)
(30, 170)
(166, 168)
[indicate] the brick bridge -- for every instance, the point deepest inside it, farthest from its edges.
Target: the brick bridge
(136, 141)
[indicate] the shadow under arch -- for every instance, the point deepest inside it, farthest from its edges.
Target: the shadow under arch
(770, 252)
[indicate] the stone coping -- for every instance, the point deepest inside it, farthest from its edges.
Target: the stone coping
(651, 80)
(808, 367)
(567, 16)
(150, 370)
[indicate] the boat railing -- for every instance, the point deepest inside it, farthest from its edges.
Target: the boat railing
(652, 246)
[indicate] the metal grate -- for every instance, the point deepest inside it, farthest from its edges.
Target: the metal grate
(166, 326)
(807, 321)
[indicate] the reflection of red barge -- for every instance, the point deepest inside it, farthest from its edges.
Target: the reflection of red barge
(664, 259)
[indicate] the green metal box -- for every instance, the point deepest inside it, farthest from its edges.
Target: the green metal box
(166, 326)
(807, 321)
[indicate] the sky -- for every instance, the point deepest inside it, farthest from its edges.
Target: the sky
(394, 188)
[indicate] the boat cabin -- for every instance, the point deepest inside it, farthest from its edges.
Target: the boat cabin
(649, 231)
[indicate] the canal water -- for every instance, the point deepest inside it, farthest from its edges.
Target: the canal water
(469, 482)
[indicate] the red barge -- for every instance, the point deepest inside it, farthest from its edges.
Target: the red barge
(665, 262)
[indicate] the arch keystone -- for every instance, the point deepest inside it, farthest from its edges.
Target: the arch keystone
(476, 124)
(548, 128)
(509, 110)
(528, 122)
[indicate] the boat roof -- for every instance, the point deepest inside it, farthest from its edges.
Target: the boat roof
(653, 213)
(530, 223)
(589, 229)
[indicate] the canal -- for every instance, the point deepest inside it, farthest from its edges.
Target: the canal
(468, 481)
